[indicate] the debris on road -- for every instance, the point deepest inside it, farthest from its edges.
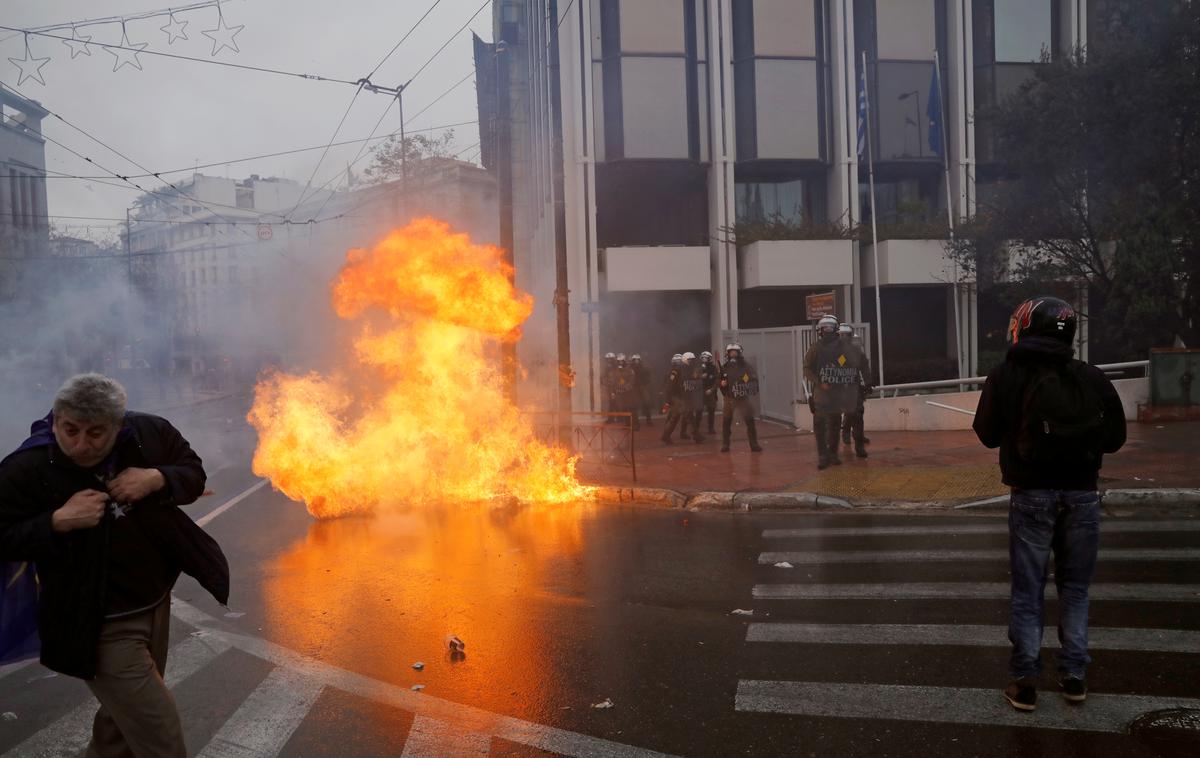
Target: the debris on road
(9, 716)
(741, 612)
(455, 643)
(418, 665)
(235, 614)
(418, 687)
(784, 565)
(605, 703)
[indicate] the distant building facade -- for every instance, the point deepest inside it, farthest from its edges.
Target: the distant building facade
(24, 226)
(694, 130)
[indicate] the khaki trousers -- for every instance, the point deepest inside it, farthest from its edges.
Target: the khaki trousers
(137, 716)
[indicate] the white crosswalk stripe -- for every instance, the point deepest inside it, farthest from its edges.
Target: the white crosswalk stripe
(70, 734)
(1103, 712)
(261, 726)
(431, 738)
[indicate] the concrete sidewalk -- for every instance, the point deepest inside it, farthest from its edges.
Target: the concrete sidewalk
(943, 466)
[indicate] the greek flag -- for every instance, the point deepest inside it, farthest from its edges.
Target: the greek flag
(862, 114)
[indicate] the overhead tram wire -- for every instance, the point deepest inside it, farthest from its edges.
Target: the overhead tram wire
(158, 174)
(211, 61)
(360, 156)
(366, 82)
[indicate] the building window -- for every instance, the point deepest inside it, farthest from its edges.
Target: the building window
(649, 76)
(790, 201)
(780, 79)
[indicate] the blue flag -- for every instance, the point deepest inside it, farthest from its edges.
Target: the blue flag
(934, 112)
(862, 114)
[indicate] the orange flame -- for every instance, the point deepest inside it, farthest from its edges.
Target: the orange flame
(423, 416)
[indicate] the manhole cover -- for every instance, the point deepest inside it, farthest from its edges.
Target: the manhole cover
(1171, 732)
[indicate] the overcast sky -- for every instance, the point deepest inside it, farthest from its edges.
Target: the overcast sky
(175, 113)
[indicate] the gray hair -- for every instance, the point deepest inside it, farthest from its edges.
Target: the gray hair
(91, 397)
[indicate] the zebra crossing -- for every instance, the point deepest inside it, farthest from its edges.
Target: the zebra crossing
(816, 576)
(265, 720)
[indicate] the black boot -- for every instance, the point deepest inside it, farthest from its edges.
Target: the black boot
(821, 435)
(831, 439)
(672, 421)
(860, 440)
(726, 433)
(752, 435)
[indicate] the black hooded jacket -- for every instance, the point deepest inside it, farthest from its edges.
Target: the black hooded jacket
(998, 417)
(87, 574)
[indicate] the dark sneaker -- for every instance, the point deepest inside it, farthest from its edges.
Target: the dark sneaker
(1021, 694)
(860, 451)
(755, 449)
(725, 448)
(1074, 689)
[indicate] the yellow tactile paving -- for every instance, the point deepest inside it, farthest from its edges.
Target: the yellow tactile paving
(906, 483)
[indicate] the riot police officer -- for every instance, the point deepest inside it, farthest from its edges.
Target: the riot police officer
(624, 390)
(833, 373)
(711, 373)
(673, 398)
(738, 382)
(693, 397)
(852, 423)
(641, 384)
(607, 376)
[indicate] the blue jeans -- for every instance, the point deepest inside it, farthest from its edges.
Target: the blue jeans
(1066, 522)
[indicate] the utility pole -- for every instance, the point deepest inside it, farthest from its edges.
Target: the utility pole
(504, 180)
(561, 286)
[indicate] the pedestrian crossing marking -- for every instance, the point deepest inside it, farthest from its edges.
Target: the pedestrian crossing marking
(813, 557)
(69, 734)
(431, 738)
(264, 722)
(1175, 593)
(955, 705)
(996, 526)
(973, 635)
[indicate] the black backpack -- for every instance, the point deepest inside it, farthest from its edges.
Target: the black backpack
(1062, 417)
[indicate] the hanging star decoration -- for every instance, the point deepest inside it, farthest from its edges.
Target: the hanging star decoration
(175, 30)
(223, 35)
(78, 44)
(127, 53)
(31, 68)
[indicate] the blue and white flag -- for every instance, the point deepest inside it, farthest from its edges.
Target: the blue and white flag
(934, 112)
(862, 114)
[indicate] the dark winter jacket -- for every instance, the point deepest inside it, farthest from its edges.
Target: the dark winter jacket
(152, 543)
(998, 417)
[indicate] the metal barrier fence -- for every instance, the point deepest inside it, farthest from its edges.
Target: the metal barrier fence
(959, 385)
(603, 441)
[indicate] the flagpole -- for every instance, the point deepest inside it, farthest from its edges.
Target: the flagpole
(937, 68)
(874, 227)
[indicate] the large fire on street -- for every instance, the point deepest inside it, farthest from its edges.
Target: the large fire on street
(419, 413)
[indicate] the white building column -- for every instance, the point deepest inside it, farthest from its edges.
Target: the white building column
(722, 213)
(843, 175)
(959, 68)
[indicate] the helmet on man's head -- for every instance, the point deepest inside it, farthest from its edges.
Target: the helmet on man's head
(733, 350)
(636, 358)
(610, 356)
(845, 330)
(1043, 317)
(688, 357)
(706, 357)
(827, 325)
(677, 359)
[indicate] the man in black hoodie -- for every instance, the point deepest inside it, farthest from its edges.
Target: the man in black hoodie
(90, 499)
(1053, 418)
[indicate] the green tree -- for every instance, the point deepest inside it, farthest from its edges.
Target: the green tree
(413, 156)
(1101, 157)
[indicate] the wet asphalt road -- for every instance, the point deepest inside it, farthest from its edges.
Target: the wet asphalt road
(563, 608)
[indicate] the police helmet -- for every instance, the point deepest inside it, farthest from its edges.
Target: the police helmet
(706, 356)
(827, 325)
(610, 356)
(845, 330)
(733, 350)
(1043, 317)
(676, 359)
(688, 357)
(620, 356)
(636, 358)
